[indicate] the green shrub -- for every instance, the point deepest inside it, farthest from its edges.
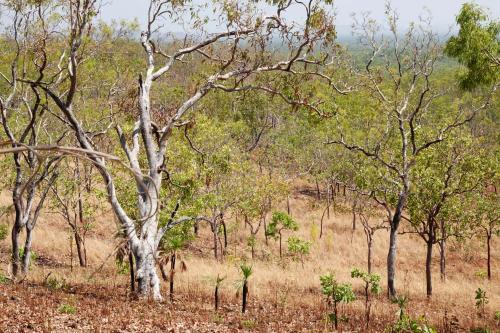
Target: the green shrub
(53, 283)
(336, 293)
(4, 230)
(298, 248)
(67, 309)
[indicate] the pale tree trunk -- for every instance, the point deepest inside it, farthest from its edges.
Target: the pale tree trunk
(148, 282)
(27, 249)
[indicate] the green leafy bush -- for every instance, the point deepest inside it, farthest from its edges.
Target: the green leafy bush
(4, 230)
(67, 309)
(336, 293)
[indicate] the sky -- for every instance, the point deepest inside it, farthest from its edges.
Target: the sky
(443, 11)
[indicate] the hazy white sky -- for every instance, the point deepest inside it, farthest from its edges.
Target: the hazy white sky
(443, 11)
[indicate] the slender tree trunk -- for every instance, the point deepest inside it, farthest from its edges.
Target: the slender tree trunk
(16, 260)
(265, 230)
(391, 263)
(172, 275)
(80, 249)
(442, 259)
(370, 244)
(27, 250)
(131, 268)
(245, 295)
(216, 240)
(280, 247)
(488, 245)
(391, 256)
(288, 210)
(428, 268)
(318, 192)
(216, 297)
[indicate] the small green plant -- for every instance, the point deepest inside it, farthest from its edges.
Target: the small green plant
(372, 286)
(67, 309)
(406, 324)
(248, 324)
(481, 300)
(3, 231)
(54, 283)
(481, 274)
(402, 302)
(33, 255)
(122, 267)
(280, 221)
(336, 293)
(298, 248)
(246, 272)
(3, 279)
(217, 282)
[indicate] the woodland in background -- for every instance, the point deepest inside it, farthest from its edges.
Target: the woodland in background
(174, 135)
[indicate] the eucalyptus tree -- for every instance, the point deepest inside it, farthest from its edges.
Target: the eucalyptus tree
(235, 57)
(396, 112)
(25, 121)
(476, 46)
(444, 175)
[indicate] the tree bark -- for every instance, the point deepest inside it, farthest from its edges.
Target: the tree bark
(488, 245)
(132, 273)
(428, 268)
(16, 260)
(27, 250)
(245, 295)
(146, 276)
(391, 263)
(442, 259)
(80, 249)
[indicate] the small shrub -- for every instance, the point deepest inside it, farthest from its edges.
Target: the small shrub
(67, 309)
(3, 279)
(481, 274)
(481, 299)
(248, 324)
(336, 293)
(406, 324)
(122, 267)
(3, 232)
(54, 283)
(298, 248)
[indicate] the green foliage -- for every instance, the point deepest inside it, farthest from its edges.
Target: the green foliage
(54, 283)
(3, 231)
(281, 221)
(66, 309)
(3, 279)
(336, 292)
(248, 324)
(122, 267)
(372, 280)
(246, 271)
(406, 324)
(298, 247)
(481, 299)
(33, 255)
(477, 47)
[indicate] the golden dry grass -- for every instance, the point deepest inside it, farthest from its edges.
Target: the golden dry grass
(286, 283)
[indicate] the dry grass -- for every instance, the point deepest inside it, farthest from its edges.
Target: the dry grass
(285, 285)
